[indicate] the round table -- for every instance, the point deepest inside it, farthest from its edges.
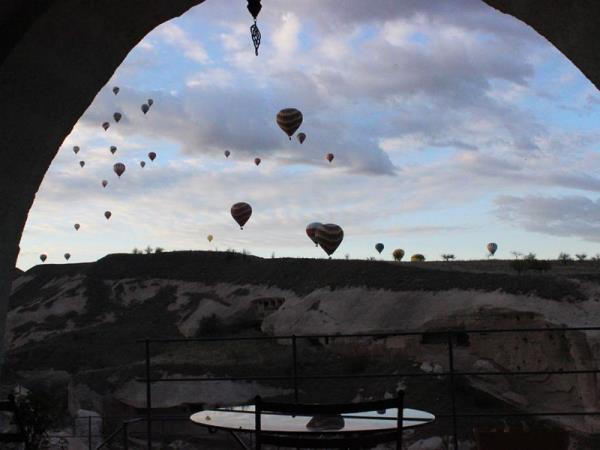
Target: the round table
(241, 418)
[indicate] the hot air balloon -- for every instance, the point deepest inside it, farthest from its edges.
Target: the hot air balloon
(76, 226)
(329, 236)
(104, 183)
(105, 125)
(119, 168)
(417, 257)
(492, 247)
(398, 254)
(241, 212)
(117, 116)
(210, 238)
(257, 161)
(150, 102)
(116, 90)
(76, 149)
(43, 257)
(143, 164)
(113, 149)
(67, 256)
(151, 155)
(289, 120)
(227, 153)
(82, 163)
(107, 214)
(301, 137)
(311, 230)
(329, 157)
(379, 247)
(145, 108)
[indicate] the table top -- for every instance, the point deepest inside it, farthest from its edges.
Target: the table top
(241, 418)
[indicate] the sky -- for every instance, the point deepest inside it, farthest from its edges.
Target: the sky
(452, 126)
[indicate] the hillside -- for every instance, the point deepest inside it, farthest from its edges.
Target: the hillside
(75, 327)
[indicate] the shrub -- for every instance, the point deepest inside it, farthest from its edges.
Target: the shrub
(564, 257)
(148, 250)
(136, 251)
(210, 326)
(159, 250)
(581, 256)
(530, 263)
(447, 256)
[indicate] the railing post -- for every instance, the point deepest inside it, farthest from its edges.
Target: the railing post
(125, 436)
(148, 397)
(295, 357)
(90, 432)
(452, 388)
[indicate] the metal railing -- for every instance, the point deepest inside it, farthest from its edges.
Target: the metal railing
(451, 336)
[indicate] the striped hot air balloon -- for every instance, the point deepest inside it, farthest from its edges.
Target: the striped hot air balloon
(145, 108)
(241, 212)
(417, 257)
(119, 168)
(106, 126)
(289, 120)
(311, 230)
(492, 247)
(116, 90)
(329, 236)
(398, 254)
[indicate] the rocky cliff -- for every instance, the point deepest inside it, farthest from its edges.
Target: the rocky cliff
(75, 326)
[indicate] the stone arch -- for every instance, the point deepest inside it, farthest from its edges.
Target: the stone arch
(55, 55)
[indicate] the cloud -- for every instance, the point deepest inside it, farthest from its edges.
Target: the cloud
(571, 216)
(175, 35)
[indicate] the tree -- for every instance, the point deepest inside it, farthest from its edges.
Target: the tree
(447, 256)
(35, 415)
(581, 256)
(159, 250)
(148, 250)
(564, 257)
(135, 251)
(530, 257)
(516, 254)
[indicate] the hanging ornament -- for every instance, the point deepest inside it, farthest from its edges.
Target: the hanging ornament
(254, 7)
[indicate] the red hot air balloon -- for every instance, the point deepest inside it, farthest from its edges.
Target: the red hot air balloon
(113, 149)
(116, 90)
(107, 214)
(67, 256)
(104, 183)
(257, 161)
(329, 157)
(241, 212)
(143, 164)
(227, 153)
(119, 168)
(301, 137)
(289, 120)
(145, 108)
(76, 149)
(105, 125)
(151, 155)
(82, 163)
(117, 116)
(76, 226)
(329, 237)
(43, 257)
(311, 230)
